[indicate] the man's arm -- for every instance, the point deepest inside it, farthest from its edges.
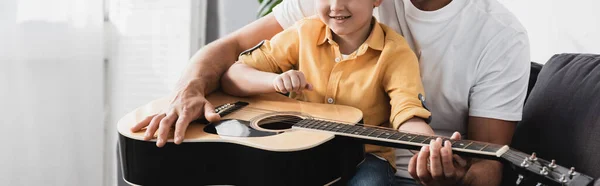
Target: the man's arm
(487, 172)
(202, 77)
(210, 62)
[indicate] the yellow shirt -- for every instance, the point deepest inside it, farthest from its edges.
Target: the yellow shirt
(381, 78)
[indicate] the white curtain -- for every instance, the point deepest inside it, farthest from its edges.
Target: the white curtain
(149, 43)
(51, 92)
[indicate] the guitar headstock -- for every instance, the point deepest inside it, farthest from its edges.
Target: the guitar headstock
(536, 171)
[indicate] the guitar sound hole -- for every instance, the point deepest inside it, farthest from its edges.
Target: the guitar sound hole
(279, 122)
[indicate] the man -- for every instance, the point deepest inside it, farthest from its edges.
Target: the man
(474, 61)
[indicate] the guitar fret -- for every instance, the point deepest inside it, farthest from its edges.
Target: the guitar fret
(386, 135)
(476, 146)
(369, 130)
(330, 126)
(321, 125)
(468, 144)
(419, 139)
(403, 134)
(395, 136)
(375, 133)
(337, 127)
(312, 124)
(353, 129)
(484, 146)
(407, 137)
(303, 123)
(345, 128)
(360, 131)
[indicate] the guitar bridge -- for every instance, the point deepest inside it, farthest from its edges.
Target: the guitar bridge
(229, 108)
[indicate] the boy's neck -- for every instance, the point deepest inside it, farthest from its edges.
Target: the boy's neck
(350, 43)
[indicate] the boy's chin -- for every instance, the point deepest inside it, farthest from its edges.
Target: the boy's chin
(341, 31)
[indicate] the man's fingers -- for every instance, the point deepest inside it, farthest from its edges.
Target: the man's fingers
(209, 113)
(151, 129)
(447, 162)
(142, 124)
(422, 172)
(460, 161)
(412, 167)
(434, 159)
(164, 127)
(181, 126)
(456, 136)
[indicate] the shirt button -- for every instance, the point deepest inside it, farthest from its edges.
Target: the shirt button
(337, 59)
(330, 100)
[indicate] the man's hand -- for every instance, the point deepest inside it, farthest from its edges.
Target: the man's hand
(436, 165)
(187, 105)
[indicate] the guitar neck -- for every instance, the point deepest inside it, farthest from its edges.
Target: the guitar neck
(393, 138)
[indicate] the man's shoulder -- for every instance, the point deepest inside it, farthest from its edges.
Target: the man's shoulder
(497, 16)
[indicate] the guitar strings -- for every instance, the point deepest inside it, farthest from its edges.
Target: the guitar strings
(512, 156)
(265, 111)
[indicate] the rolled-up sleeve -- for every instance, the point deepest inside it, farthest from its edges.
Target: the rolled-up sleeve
(277, 55)
(402, 82)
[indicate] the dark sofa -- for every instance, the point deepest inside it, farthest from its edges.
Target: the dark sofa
(561, 116)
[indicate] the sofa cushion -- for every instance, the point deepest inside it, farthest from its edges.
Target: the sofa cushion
(561, 118)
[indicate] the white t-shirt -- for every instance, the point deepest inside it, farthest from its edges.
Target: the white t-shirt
(473, 55)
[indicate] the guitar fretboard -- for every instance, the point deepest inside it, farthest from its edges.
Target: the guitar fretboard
(402, 139)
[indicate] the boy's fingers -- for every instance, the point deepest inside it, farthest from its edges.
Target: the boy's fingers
(287, 83)
(281, 86)
(309, 86)
(295, 82)
(302, 81)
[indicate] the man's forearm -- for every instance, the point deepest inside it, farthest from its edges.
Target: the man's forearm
(207, 66)
(483, 172)
(210, 62)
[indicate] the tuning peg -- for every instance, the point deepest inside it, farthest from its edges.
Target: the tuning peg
(525, 162)
(552, 164)
(533, 157)
(519, 179)
(544, 171)
(572, 172)
(563, 178)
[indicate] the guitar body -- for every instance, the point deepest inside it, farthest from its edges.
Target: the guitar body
(253, 145)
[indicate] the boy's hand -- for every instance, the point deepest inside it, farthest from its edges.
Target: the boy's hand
(291, 81)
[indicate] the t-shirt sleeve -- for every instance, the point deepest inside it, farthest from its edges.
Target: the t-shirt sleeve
(289, 12)
(402, 82)
(277, 55)
(501, 82)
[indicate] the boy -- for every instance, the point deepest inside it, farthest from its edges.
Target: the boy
(342, 57)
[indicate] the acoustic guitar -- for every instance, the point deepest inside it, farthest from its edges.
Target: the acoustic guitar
(275, 140)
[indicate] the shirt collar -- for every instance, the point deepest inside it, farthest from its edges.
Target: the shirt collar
(375, 40)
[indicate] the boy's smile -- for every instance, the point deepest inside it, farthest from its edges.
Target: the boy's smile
(349, 20)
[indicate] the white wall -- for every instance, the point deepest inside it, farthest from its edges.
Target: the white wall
(226, 16)
(559, 26)
(51, 94)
